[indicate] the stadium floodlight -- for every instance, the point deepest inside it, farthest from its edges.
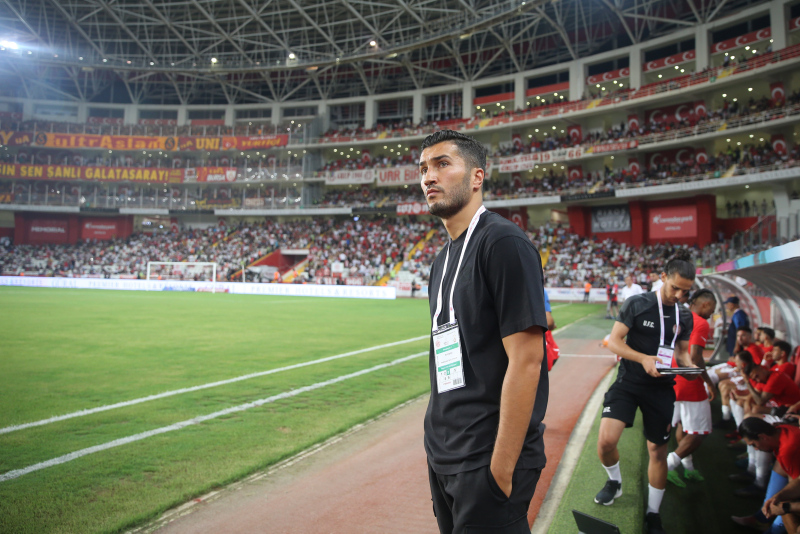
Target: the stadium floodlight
(11, 45)
(201, 271)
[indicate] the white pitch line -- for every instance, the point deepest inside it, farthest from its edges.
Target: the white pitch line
(140, 400)
(183, 424)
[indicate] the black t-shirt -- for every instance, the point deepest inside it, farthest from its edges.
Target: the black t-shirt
(640, 314)
(499, 292)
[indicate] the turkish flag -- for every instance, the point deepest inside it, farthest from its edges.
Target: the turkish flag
(778, 93)
(779, 144)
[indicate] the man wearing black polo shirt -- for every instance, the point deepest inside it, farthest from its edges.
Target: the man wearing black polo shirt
(657, 331)
(483, 426)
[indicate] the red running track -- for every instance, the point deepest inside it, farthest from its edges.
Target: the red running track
(376, 480)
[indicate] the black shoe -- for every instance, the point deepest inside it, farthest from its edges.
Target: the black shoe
(653, 522)
(611, 491)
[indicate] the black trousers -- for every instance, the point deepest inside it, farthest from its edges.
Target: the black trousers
(472, 503)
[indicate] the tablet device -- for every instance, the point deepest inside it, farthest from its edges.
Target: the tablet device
(681, 371)
(591, 525)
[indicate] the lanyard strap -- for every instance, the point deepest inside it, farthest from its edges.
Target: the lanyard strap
(472, 224)
(661, 317)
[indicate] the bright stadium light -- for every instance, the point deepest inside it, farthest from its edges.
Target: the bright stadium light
(213, 60)
(11, 45)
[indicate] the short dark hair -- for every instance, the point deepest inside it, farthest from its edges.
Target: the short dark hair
(746, 358)
(752, 427)
(703, 294)
(767, 330)
(744, 329)
(681, 264)
(784, 346)
(472, 151)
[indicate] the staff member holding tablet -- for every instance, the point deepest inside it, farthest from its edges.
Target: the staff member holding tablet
(657, 329)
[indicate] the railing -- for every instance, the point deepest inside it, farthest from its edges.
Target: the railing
(558, 109)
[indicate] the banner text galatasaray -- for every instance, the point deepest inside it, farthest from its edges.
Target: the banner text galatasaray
(104, 174)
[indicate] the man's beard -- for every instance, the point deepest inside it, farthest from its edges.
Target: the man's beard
(458, 198)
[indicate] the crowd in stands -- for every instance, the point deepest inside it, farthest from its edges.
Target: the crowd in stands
(229, 248)
(737, 160)
(365, 249)
(158, 128)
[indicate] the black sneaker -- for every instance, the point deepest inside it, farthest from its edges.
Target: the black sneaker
(610, 491)
(653, 523)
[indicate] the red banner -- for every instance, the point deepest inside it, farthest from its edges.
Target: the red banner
(742, 40)
(111, 142)
(670, 114)
(575, 173)
(516, 140)
(633, 166)
(673, 222)
(794, 24)
(141, 142)
(43, 231)
(254, 143)
(608, 76)
(701, 156)
(15, 138)
(215, 174)
(552, 88)
(669, 61)
(99, 229)
(103, 174)
(574, 133)
(633, 122)
(612, 147)
(199, 143)
(412, 208)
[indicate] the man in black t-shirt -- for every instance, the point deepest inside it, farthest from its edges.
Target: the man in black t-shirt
(657, 330)
(489, 388)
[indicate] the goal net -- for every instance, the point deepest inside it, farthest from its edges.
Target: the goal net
(183, 270)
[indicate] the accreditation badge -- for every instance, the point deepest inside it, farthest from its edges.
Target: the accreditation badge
(447, 356)
(664, 355)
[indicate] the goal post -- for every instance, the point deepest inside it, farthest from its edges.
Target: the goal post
(201, 271)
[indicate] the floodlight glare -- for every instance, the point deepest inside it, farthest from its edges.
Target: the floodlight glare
(11, 45)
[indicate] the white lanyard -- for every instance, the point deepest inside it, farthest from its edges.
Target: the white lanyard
(472, 224)
(661, 317)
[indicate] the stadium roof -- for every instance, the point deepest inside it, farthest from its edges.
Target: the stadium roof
(264, 51)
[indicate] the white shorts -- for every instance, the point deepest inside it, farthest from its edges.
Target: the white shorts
(723, 370)
(695, 417)
(739, 382)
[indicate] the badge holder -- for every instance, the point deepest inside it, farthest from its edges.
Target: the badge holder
(447, 353)
(666, 353)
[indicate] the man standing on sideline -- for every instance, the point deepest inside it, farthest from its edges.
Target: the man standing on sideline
(489, 385)
(738, 320)
(587, 289)
(629, 289)
(692, 415)
(657, 330)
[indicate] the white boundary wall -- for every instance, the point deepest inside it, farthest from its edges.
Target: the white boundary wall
(285, 290)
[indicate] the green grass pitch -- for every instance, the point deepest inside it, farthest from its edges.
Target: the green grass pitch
(69, 350)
